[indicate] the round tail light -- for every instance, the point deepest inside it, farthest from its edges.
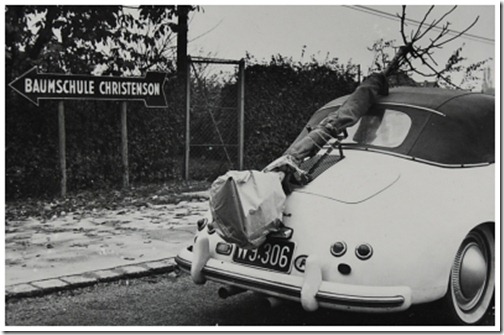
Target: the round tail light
(364, 251)
(338, 249)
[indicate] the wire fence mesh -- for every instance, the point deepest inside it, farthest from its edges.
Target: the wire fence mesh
(213, 119)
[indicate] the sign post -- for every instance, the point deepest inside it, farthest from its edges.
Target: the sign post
(124, 143)
(62, 147)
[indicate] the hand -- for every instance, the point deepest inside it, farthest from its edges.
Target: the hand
(288, 166)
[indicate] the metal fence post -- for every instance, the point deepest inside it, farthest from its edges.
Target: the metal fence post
(241, 112)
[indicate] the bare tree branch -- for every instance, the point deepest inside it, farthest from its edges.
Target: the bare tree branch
(414, 38)
(435, 73)
(413, 50)
(435, 23)
(442, 33)
(458, 35)
(403, 17)
(431, 58)
(440, 75)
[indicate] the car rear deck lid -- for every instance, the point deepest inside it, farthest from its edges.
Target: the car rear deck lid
(354, 179)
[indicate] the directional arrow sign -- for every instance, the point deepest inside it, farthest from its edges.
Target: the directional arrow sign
(35, 86)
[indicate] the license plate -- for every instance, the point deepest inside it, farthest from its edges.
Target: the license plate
(274, 255)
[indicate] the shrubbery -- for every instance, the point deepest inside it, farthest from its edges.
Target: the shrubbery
(281, 96)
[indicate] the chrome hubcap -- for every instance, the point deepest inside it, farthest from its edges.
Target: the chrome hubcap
(470, 273)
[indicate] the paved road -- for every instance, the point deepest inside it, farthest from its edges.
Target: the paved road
(173, 300)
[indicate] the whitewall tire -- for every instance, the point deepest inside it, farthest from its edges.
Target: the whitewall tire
(472, 278)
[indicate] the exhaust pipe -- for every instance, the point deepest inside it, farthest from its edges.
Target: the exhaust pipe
(268, 302)
(273, 302)
(228, 291)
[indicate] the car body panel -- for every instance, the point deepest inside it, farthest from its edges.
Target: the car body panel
(368, 179)
(418, 229)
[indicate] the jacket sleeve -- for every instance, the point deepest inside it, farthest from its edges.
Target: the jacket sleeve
(358, 103)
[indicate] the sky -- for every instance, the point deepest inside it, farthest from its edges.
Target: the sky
(339, 31)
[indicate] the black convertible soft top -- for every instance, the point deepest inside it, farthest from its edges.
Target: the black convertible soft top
(449, 127)
(426, 97)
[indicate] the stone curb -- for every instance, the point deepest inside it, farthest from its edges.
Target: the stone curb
(51, 285)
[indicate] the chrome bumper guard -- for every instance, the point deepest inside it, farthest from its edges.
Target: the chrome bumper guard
(312, 293)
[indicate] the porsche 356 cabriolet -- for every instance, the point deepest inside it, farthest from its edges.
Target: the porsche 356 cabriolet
(402, 214)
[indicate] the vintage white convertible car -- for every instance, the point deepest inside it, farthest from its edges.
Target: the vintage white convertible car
(403, 213)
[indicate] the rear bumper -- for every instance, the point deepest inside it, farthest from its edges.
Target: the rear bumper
(329, 294)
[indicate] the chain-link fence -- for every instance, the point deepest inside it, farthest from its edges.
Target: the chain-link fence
(214, 145)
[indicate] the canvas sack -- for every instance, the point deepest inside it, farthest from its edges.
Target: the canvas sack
(246, 206)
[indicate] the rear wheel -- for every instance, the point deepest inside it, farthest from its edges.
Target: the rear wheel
(472, 278)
